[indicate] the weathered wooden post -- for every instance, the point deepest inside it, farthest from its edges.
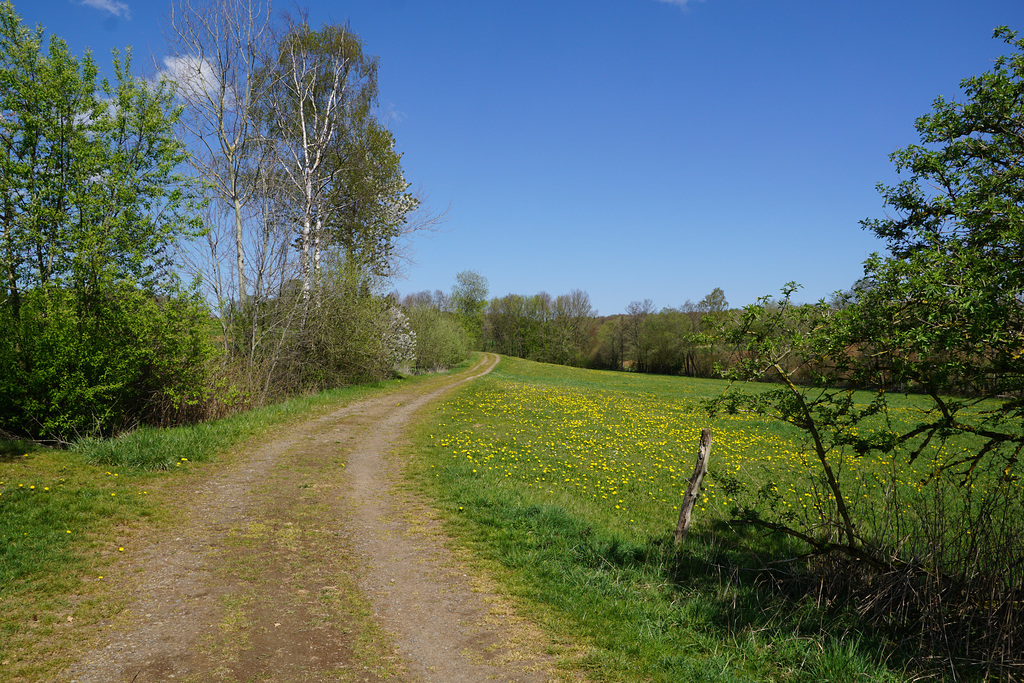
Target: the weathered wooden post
(693, 490)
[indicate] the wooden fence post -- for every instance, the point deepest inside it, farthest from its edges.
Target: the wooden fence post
(693, 490)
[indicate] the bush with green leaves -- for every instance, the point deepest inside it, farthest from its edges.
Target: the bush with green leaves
(77, 368)
(95, 334)
(441, 340)
(344, 332)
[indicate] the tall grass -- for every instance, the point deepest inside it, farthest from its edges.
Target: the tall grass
(154, 449)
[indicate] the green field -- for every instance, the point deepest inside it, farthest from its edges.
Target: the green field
(570, 482)
(565, 482)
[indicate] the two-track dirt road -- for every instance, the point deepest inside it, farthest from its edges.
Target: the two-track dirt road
(304, 560)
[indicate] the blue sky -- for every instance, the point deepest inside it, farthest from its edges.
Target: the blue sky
(637, 149)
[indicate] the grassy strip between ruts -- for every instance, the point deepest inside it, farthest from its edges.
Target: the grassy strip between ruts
(569, 482)
(63, 513)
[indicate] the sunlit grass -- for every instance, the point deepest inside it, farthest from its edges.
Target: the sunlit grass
(573, 479)
(622, 447)
(57, 514)
(150, 449)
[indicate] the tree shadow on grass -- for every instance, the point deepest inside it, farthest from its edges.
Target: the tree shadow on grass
(12, 449)
(758, 581)
(736, 584)
(713, 586)
(733, 583)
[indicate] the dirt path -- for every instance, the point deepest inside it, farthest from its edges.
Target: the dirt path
(303, 561)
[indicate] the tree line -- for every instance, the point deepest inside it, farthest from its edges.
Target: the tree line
(211, 238)
(565, 329)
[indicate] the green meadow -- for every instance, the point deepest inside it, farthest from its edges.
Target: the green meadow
(565, 483)
(569, 483)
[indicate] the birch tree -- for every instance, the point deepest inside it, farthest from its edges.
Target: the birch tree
(216, 49)
(340, 177)
(320, 80)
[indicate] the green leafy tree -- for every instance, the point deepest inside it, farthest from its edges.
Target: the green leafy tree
(714, 302)
(441, 341)
(777, 340)
(572, 328)
(942, 316)
(558, 330)
(369, 200)
(637, 315)
(358, 333)
(94, 331)
(945, 313)
(469, 298)
(505, 327)
(611, 344)
(670, 335)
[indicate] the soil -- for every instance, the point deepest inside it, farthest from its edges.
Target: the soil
(305, 559)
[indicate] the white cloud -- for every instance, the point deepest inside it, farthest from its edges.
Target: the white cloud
(196, 78)
(393, 114)
(118, 9)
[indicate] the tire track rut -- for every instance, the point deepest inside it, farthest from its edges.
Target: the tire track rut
(303, 561)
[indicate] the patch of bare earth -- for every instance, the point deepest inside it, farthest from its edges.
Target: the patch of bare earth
(303, 561)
